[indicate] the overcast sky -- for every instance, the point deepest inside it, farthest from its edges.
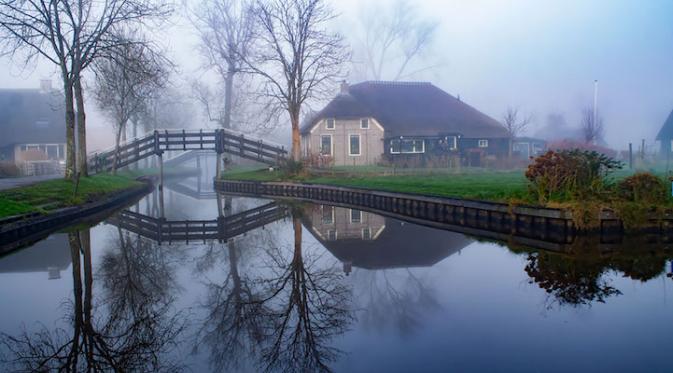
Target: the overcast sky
(542, 56)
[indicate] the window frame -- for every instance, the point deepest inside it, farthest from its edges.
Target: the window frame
(362, 121)
(350, 145)
(331, 144)
(414, 146)
(359, 219)
(482, 141)
(330, 237)
(367, 237)
(327, 121)
(322, 217)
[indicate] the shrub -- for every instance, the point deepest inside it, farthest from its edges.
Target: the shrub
(569, 174)
(642, 188)
(293, 167)
(9, 169)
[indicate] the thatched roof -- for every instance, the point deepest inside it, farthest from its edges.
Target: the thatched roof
(410, 109)
(31, 116)
(666, 131)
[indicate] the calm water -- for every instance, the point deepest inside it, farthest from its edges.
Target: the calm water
(326, 288)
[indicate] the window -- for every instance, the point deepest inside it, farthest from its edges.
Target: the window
(398, 146)
(326, 145)
(366, 233)
(354, 148)
(329, 123)
(356, 216)
(331, 235)
(453, 142)
(364, 123)
(483, 143)
(327, 215)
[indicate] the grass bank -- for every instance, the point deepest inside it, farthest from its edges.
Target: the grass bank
(52, 194)
(486, 185)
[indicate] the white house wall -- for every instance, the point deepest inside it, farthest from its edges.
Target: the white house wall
(371, 141)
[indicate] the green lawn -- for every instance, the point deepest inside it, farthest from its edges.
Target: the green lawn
(48, 195)
(493, 186)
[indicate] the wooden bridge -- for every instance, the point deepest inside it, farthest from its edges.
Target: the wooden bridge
(221, 229)
(220, 141)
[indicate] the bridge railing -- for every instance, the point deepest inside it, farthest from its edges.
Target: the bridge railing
(220, 140)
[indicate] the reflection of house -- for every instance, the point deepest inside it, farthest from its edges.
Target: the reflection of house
(377, 242)
(403, 122)
(526, 147)
(32, 128)
(51, 255)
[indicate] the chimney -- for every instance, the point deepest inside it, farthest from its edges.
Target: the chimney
(344, 87)
(45, 85)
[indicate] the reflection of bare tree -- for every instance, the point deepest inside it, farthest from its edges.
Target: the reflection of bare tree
(569, 281)
(131, 341)
(309, 306)
(396, 297)
(233, 327)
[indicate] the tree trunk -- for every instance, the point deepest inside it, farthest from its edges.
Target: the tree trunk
(69, 130)
(228, 91)
(296, 138)
(81, 129)
(117, 141)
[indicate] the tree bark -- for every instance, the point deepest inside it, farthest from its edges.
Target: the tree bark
(228, 90)
(117, 141)
(81, 129)
(69, 130)
(296, 138)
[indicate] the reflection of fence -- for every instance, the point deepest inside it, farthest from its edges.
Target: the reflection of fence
(222, 228)
(220, 141)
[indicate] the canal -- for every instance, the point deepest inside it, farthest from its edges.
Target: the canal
(222, 283)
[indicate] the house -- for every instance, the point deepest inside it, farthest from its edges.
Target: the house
(365, 240)
(665, 136)
(527, 147)
(404, 123)
(32, 129)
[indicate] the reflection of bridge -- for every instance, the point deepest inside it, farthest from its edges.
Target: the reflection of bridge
(221, 141)
(222, 228)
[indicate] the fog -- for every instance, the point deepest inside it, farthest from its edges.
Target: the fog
(542, 57)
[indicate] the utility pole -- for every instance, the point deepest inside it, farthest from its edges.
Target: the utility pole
(595, 103)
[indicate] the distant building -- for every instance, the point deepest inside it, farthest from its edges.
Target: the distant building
(405, 123)
(665, 136)
(32, 128)
(526, 147)
(365, 240)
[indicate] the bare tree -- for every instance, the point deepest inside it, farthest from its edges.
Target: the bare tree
(126, 82)
(71, 34)
(226, 30)
(393, 40)
(591, 125)
(297, 57)
(514, 125)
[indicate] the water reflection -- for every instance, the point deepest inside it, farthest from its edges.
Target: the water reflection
(254, 285)
(134, 337)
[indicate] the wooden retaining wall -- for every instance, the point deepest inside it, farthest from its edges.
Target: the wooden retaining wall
(501, 220)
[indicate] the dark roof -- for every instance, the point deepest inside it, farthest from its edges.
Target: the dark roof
(400, 245)
(410, 109)
(666, 131)
(52, 252)
(31, 116)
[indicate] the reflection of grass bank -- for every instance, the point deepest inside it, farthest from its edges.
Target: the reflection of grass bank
(52, 194)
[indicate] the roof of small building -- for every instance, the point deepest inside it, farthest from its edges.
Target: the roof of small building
(410, 109)
(666, 131)
(29, 116)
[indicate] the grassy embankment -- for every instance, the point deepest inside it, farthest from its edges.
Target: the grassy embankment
(503, 186)
(52, 194)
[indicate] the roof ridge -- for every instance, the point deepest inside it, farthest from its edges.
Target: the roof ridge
(396, 82)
